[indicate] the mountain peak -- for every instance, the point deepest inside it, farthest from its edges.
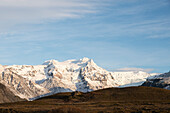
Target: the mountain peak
(75, 63)
(88, 61)
(85, 59)
(50, 62)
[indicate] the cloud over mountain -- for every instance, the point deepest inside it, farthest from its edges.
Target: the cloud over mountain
(134, 69)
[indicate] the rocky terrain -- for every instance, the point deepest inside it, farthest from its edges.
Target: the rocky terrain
(34, 81)
(161, 81)
(6, 96)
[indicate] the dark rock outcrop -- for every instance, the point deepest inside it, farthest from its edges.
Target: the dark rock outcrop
(161, 81)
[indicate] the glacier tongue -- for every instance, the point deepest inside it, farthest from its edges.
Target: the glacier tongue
(52, 77)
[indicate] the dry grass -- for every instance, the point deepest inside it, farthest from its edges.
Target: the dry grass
(116, 100)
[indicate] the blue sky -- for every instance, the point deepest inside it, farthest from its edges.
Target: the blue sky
(117, 34)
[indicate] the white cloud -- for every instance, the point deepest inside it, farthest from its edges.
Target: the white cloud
(134, 69)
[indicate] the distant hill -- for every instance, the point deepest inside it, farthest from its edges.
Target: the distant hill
(131, 99)
(113, 94)
(7, 96)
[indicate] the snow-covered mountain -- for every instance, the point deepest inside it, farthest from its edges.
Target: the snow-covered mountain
(31, 82)
(161, 81)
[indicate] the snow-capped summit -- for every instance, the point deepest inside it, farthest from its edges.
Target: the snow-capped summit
(71, 64)
(50, 62)
(84, 75)
(85, 59)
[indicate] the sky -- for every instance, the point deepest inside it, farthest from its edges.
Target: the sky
(116, 34)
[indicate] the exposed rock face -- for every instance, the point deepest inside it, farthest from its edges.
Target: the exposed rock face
(52, 77)
(161, 81)
(7, 96)
(19, 81)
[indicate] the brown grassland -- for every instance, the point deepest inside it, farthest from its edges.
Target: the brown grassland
(114, 100)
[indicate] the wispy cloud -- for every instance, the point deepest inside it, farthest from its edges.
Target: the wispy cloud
(132, 7)
(36, 11)
(166, 35)
(116, 33)
(134, 69)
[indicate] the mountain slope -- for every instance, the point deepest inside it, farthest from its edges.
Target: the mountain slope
(15, 78)
(7, 96)
(31, 82)
(131, 99)
(161, 81)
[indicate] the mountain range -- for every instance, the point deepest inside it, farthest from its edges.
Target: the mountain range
(35, 81)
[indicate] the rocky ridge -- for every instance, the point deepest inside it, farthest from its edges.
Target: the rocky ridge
(161, 81)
